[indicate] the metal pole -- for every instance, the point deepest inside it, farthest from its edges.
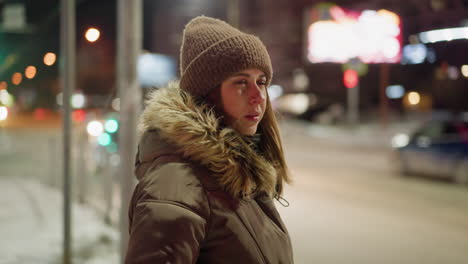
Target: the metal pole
(353, 105)
(129, 44)
(67, 55)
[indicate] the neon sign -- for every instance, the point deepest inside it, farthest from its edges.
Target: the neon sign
(371, 36)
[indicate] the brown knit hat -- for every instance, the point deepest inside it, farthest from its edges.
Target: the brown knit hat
(212, 50)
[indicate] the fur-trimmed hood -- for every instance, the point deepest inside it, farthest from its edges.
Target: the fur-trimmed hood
(197, 135)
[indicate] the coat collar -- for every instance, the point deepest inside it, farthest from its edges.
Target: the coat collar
(197, 135)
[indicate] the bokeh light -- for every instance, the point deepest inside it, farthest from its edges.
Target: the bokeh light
(414, 98)
(116, 104)
(275, 91)
(30, 72)
(92, 34)
(3, 113)
(40, 114)
(6, 98)
(464, 70)
(95, 128)
(50, 58)
(78, 101)
(3, 85)
(395, 91)
(16, 78)
(111, 125)
(59, 99)
(400, 140)
(350, 78)
(104, 139)
(79, 115)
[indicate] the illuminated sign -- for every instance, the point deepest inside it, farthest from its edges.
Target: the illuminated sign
(446, 34)
(371, 36)
(156, 69)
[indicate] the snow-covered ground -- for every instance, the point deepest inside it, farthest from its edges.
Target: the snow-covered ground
(32, 221)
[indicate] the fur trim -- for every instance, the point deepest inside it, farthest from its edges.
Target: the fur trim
(196, 132)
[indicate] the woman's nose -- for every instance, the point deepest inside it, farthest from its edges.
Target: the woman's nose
(257, 95)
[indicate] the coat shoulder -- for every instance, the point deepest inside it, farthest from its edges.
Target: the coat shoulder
(175, 183)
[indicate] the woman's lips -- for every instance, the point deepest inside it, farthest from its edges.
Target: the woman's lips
(253, 117)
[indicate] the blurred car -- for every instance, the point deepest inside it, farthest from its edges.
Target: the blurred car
(439, 149)
(310, 107)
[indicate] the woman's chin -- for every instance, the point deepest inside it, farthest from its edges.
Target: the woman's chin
(246, 130)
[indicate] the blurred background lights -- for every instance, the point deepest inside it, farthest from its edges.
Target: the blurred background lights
(413, 39)
(372, 36)
(40, 113)
(17, 78)
(156, 69)
(95, 128)
(59, 99)
(116, 104)
(453, 73)
(79, 115)
(78, 101)
(6, 98)
(294, 103)
(414, 54)
(350, 78)
(395, 91)
(50, 58)
(104, 139)
(30, 72)
(3, 85)
(112, 148)
(431, 55)
(3, 113)
(92, 34)
(111, 125)
(400, 140)
(464, 70)
(414, 98)
(391, 48)
(446, 34)
(275, 91)
(391, 17)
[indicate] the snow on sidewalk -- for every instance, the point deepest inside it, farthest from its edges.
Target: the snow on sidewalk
(31, 224)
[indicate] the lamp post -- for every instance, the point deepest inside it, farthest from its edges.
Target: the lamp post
(129, 44)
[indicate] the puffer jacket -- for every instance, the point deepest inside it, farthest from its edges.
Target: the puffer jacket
(204, 195)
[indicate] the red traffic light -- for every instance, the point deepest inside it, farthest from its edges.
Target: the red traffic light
(350, 78)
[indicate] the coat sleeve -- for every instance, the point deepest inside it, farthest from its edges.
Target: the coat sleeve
(164, 232)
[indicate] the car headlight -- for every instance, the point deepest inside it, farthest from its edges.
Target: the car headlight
(400, 140)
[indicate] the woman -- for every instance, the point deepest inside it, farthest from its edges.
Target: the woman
(210, 158)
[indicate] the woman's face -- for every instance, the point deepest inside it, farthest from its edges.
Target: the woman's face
(243, 98)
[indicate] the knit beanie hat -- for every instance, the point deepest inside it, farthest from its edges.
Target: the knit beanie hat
(212, 50)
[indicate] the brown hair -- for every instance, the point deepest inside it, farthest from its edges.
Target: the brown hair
(270, 145)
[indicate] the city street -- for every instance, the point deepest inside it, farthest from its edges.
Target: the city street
(347, 205)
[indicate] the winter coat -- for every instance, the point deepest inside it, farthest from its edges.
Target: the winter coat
(203, 193)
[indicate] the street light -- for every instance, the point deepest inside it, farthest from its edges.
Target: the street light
(50, 58)
(92, 34)
(30, 72)
(17, 78)
(3, 85)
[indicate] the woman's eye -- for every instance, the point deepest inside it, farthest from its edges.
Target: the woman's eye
(242, 82)
(261, 83)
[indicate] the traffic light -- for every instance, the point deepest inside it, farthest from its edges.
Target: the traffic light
(111, 127)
